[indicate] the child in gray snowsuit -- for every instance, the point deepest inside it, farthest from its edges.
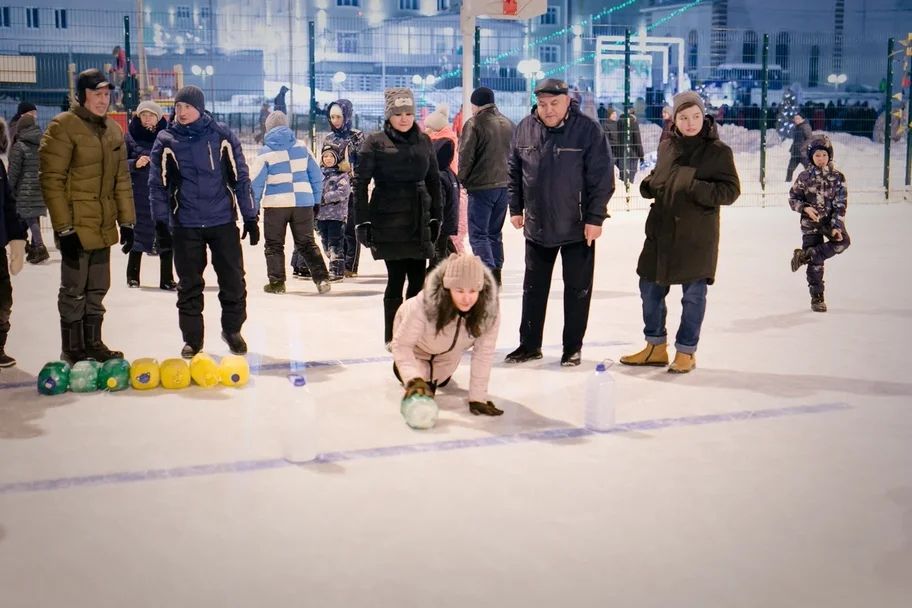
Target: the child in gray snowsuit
(333, 210)
(819, 195)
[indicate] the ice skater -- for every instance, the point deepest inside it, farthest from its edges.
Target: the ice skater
(819, 195)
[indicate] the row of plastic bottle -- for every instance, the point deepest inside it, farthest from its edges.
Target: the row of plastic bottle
(88, 376)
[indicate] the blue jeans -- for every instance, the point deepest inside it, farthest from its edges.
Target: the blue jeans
(654, 313)
(487, 213)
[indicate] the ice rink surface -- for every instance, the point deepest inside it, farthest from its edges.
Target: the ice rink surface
(778, 473)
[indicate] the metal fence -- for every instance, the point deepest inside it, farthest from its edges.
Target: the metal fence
(241, 56)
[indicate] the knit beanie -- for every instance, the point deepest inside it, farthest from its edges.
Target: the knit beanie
(819, 142)
(464, 271)
(276, 119)
(482, 96)
(150, 106)
(439, 118)
(686, 99)
(399, 101)
(192, 95)
(25, 106)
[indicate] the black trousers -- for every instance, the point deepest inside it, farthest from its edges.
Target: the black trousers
(351, 246)
(276, 220)
(84, 282)
(793, 164)
(397, 271)
(821, 248)
(578, 265)
(190, 260)
(6, 297)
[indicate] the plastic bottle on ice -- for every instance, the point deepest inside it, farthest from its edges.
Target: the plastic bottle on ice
(298, 422)
(600, 395)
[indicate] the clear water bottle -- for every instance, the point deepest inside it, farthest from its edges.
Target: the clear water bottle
(298, 422)
(600, 394)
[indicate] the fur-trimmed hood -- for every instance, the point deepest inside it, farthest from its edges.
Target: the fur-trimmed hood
(435, 295)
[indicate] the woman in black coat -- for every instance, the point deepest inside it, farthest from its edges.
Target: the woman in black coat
(401, 222)
(694, 176)
(141, 133)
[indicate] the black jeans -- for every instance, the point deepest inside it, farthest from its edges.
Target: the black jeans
(332, 237)
(83, 285)
(228, 261)
(6, 297)
(351, 245)
(578, 265)
(397, 271)
(301, 220)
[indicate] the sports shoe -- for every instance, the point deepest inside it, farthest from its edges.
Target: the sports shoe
(323, 287)
(571, 359)
(6, 360)
(523, 354)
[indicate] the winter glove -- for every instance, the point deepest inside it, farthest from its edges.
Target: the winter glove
(252, 228)
(487, 409)
(364, 234)
(17, 256)
(163, 236)
(69, 245)
(418, 386)
(126, 238)
(434, 225)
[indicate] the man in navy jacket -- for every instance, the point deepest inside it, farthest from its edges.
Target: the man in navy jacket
(561, 178)
(198, 181)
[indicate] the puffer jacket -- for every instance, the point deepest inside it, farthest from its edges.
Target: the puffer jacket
(84, 177)
(561, 178)
(406, 194)
(23, 170)
(139, 143)
(693, 178)
(285, 173)
(483, 150)
(345, 138)
(199, 177)
(11, 227)
(420, 352)
(823, 189)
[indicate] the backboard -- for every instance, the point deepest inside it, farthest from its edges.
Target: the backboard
(504, 9)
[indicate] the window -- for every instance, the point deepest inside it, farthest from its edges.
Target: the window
(782, 50)
(547, 53)
(5, 16)
(693, 48)
(443, 40)
(60, 18)
(550, 17)
(347, 42)
(443, 5)
(814, 67)
(183, 17)
(204, 14)
(749, 48)
(348, 2)
(31, 17)
(408, 5)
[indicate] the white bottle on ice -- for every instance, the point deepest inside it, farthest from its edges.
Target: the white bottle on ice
(298, 423)
(600, 394)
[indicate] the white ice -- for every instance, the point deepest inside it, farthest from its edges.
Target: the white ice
(782, 477)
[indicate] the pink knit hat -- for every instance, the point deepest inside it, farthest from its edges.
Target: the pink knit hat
(464, 271)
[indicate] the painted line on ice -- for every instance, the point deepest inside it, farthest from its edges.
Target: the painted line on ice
(293, 365)
(556, 434)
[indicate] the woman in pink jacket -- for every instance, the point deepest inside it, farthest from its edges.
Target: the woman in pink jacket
(456, 311)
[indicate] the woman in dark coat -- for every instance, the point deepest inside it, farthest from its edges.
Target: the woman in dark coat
(401, 222)
(144, 127)
(694, 176)
(23, 178)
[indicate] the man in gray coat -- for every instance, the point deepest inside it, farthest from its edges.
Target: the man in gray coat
(483, 152)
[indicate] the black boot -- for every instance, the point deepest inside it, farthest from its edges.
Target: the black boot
(30, 251)
(235, 342)
(5, 360)
(497, 278)
(40, 254)
(167, 271)
(134, 262)
(817, 303)
(94, 347)
(73, 342)
(523, 354)
(390, 306)
(800, 257)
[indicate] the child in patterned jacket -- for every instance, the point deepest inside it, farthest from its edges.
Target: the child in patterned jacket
(819, 195)
(333, 210)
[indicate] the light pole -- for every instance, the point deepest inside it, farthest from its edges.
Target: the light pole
(204, 72)
(530, 69)
(337, 79)
(836, 80)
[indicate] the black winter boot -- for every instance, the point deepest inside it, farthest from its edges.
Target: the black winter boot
(166, 281)
(817, 303)
(523, 354)
(5, 360)
(235, 342)
(40, 254)
(94, 347)
(73, 342)
(800, 257)
(390, 306)
(134, 262)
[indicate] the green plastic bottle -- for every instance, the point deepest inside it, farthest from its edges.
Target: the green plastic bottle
(114, 375)
(54, 378)
(84, 376)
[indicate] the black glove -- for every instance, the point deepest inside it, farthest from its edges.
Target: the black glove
(363, 232)
(252, 228)
(434, 225)
(69, 245)
(126, 238)
(486, 409)
(163, 236)
(418, 386)
(316, 211)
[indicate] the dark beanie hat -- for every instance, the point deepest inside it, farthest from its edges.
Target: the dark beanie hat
(25, 106)
(482, 96)
(192, 95)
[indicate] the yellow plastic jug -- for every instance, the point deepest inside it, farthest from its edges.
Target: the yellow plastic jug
(144, 374)
(204, 370)
(175, 373)
(234, 370)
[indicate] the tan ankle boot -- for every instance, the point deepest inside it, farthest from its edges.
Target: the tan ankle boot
(683, 363)
(654, 354)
